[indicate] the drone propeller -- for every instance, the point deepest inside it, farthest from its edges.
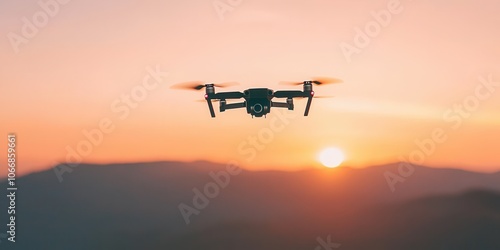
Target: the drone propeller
(212, 100)
(317, 96)
(324, 96)
(316, 80)
(325, 80)
(198, 85)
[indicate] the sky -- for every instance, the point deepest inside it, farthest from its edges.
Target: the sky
(420, 81)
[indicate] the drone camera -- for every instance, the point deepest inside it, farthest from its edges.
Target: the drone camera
(257, 108)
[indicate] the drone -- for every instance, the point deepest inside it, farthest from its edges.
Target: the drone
(257, 101)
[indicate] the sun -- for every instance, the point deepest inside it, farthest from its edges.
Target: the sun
(331, 157)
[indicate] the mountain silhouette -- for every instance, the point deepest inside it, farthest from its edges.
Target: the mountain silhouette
(136, 206)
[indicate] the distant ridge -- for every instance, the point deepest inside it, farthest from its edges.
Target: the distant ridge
(136, 206)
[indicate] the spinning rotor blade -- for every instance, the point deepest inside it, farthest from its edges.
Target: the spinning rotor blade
(316, 80)
(317, 96)
(226, 84)
(198, 85)
(290, 83)
(212, 100)
(325, 80)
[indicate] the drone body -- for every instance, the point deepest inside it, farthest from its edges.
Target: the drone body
(257, 101)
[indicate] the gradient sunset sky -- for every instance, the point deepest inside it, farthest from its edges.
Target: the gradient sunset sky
(400, 87)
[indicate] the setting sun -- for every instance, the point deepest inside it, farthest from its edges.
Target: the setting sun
(331, 157)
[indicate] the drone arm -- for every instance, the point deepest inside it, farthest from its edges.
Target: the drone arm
(224, 105)
(210, 107)
(279, 104)
(222, 96)
(308, 105)
(289, 94)
(228, 95)
(235, 105)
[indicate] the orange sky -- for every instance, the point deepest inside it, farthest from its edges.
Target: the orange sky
(396, 90)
